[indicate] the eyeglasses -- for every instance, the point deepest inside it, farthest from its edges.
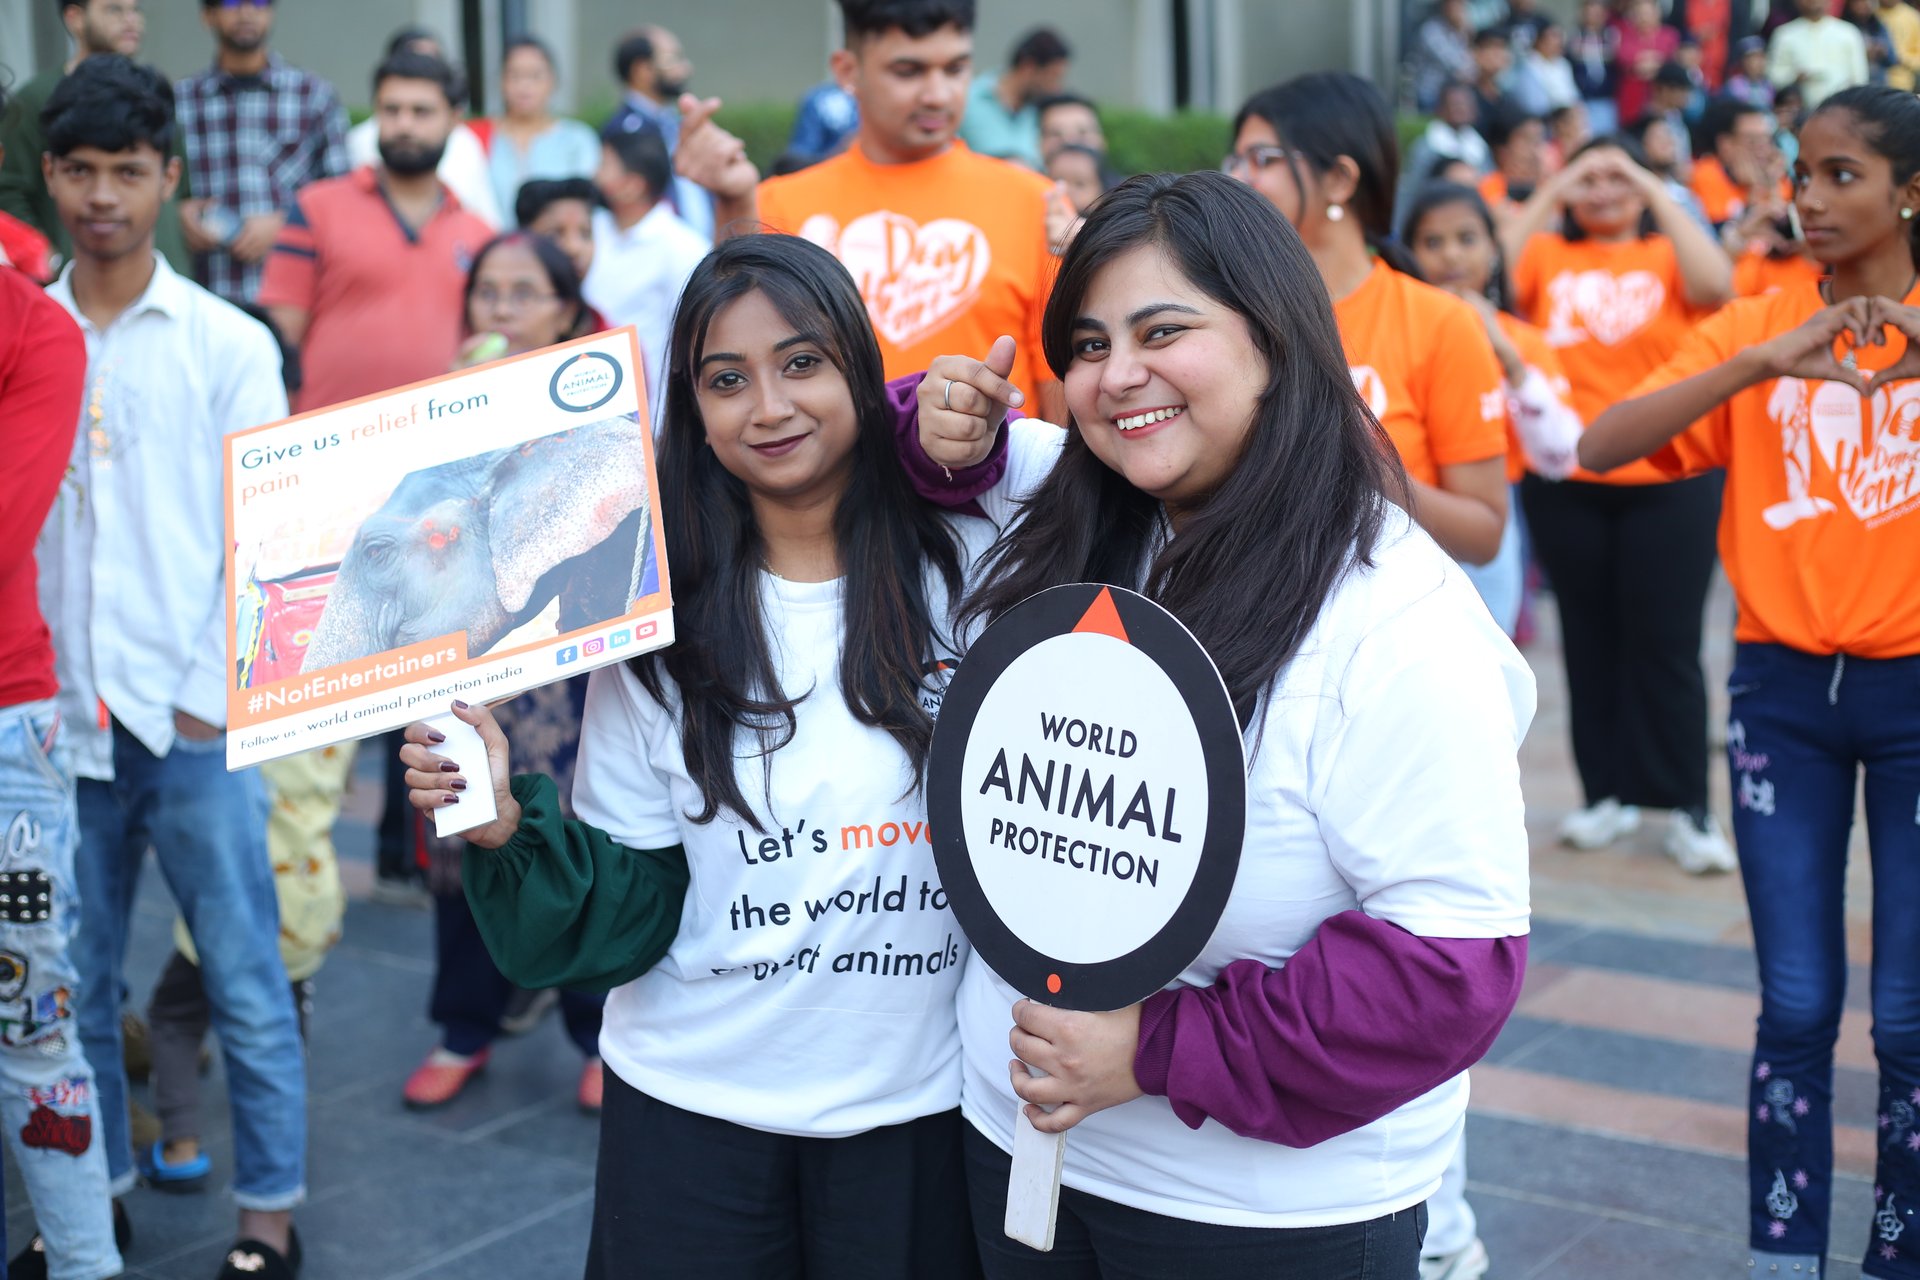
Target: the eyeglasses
(516, 299)
(1253, 159)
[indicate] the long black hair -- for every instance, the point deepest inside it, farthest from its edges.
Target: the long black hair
(722, 662)
(1888, 120)
(1329, 114)
(1440, 195)
(1305, 501)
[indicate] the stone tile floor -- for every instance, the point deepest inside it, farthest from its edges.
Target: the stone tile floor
(1606, 1137)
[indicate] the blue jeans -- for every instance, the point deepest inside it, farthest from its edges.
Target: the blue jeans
(1801, 728)
(208, 828)
(48, 1104)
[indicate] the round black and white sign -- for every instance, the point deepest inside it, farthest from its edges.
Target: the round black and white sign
(1087, 796)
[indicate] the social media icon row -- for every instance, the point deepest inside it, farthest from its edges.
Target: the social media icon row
(619, 639)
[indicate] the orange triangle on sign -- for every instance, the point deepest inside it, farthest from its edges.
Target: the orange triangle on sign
(1103, 616)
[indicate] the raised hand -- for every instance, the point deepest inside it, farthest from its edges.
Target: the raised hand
(963, 401)
(1807, 351)
(710, 156)
(434, 782)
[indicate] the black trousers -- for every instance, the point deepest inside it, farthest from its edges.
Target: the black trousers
(1096, 1239)
(678, 1194)
(1630, 567)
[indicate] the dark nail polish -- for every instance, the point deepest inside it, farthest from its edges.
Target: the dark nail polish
(459, 705)
(434, 735)
(458, 784)
(453, 799)
(448, 766)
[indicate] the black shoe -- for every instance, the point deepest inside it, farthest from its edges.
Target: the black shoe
(252, 1260)
(31, 1262)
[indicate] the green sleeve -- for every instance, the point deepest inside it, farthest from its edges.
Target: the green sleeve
(562, 905)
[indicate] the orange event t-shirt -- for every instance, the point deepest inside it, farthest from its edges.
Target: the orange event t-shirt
(1614, 312)
(1820, 525)
(1535, 354)
(1421, 360)
(1757, 273)
(949, 253)
(1721, 198)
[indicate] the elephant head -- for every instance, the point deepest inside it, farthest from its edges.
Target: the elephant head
(485, 543)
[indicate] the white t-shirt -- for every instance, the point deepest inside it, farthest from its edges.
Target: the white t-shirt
(810, 990)
(1386, 778)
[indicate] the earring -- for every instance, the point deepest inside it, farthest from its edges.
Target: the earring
(1906, 215)
(1335, 213)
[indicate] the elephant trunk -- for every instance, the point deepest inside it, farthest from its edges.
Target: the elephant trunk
(346, 630)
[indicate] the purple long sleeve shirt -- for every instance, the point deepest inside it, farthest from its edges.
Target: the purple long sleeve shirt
(1363, 1019)
(1360, 1021)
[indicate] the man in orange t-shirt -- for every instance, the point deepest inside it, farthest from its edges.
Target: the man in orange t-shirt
(949, 248)
(1744, 158)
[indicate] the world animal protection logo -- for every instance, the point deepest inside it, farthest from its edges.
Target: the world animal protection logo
(916, 278)
(1087, 796)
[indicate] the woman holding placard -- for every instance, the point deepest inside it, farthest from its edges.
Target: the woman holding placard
(750, 868)
(1287, 1106)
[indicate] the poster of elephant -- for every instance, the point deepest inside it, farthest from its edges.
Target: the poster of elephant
(479, 534)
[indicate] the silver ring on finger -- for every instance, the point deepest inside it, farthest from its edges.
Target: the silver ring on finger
(946, 399)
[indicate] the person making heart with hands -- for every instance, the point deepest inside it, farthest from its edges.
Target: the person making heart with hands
(1809, 398)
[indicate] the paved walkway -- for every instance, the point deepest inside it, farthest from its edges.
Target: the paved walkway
(1605, 1142)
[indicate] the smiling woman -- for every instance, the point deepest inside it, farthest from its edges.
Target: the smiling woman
(1223, 463)
(756, 1038)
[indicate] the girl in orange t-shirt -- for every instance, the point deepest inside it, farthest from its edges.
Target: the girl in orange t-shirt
(1325, 155)
(1810, 399)
(1450, 231)
(1617, 288)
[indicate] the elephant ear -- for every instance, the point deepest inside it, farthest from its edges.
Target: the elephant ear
(560, 496)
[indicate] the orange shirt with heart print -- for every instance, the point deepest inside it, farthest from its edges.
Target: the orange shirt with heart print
(949, 253)
(1820, 525)
(1422, 362)
(1614, 312)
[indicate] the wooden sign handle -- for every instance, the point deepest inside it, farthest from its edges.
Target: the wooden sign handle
(1033, 1184)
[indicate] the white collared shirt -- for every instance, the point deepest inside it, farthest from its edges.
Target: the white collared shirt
(132, 557)
(636, 279)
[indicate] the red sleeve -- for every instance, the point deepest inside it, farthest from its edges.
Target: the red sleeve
(43, 373)
(293, 264)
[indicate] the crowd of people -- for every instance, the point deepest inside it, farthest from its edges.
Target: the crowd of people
(1636, 301)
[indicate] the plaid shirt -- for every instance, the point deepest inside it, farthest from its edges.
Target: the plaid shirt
(252, 143)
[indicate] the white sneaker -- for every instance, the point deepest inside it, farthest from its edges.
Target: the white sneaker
(1469, 1263)
(1699, 850)
(1599, 825)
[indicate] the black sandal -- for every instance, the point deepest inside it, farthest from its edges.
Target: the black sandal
(253, 1260)
(31, 1262)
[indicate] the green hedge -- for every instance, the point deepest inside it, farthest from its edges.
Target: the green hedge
(1139, 141)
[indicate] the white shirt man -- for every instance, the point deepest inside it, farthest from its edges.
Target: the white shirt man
(132, 559)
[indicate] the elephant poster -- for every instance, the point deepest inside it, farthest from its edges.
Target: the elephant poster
(472, 537)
